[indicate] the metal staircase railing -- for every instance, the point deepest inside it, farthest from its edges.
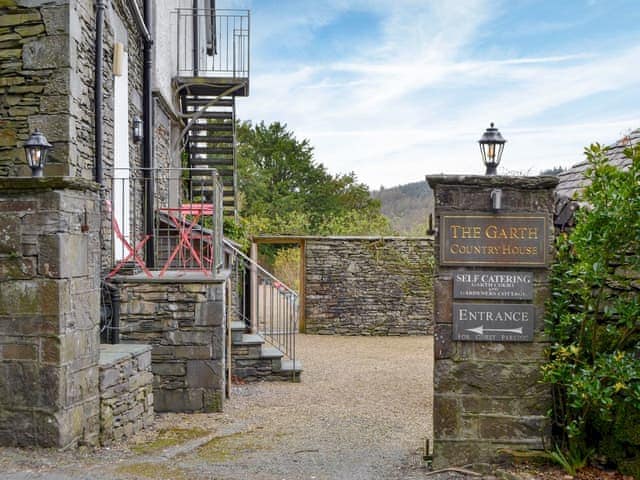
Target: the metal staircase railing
(213, 43)
(264, 303)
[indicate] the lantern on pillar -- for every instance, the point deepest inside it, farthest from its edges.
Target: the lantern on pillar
(491, 146)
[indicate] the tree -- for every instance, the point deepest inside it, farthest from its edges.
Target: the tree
(285, 191)
(553, 170)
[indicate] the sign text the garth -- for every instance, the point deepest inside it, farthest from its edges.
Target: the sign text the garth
(493, 240)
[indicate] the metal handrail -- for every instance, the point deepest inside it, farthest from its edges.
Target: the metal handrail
(172, 187)
(277, 310)
(213, 42)
(261, 269)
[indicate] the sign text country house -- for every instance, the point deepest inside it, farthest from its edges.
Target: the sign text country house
(500, 240)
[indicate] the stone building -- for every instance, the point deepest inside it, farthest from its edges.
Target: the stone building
(137, 98)
(572, 181)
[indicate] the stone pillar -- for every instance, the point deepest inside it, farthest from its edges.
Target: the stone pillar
(49, 311)
(487, 394)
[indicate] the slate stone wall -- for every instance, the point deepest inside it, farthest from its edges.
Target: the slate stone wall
(487, 395)
(126, 391)
(184, 321)
(49, 312)
(34, 82)
(368, 286)
(47, 76)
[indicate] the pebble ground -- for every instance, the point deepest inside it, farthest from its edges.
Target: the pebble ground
(361, 412)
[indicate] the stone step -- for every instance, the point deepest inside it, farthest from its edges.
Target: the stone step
(238, 329)
(273, 354)
(270, 352)
(251, 339)
(289, 366)
(238, 326)
(290, 370)
(253, 360)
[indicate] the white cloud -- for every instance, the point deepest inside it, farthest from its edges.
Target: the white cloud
(416, 102)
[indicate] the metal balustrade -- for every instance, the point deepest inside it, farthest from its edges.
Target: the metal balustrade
(266, 305)
(213, 43)
(186, 231)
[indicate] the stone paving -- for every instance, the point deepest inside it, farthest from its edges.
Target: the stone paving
(362, 411)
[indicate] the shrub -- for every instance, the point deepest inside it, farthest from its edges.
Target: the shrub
(593, 319)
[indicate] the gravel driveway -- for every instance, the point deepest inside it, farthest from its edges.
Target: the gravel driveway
(361, 411)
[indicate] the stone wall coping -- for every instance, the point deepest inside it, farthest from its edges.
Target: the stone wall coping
(47, 183)
(294, 238)
(492, 181)
(174, 277)
(112, 354)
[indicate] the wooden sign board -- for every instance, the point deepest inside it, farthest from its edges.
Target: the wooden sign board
(500, 240)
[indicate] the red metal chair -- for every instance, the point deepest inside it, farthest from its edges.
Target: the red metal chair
(185, 227)
(133, 250)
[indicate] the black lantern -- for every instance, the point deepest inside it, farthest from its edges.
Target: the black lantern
(137, 129)
(491, 146)
(36, 150)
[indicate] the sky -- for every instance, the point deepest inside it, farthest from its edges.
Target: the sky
(394, 90)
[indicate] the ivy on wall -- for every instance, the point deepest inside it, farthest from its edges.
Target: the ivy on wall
(419, 264)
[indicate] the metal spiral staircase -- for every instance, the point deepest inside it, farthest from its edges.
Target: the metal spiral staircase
(213, 70)
(210, 142)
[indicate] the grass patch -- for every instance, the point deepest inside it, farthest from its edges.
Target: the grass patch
(169, 437)
(153, 470)
(230, 447)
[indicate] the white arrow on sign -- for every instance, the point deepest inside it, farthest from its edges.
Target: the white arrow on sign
(481, 330)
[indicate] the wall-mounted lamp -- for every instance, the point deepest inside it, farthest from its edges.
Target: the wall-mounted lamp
(496, 199)
(137, 129)
(491, 146)
(36, 149)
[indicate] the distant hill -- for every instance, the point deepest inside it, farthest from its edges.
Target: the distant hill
(407, 206)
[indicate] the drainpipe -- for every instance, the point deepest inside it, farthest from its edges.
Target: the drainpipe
(97, 90)
(115, 319)
(194, 20)
(147, 147)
